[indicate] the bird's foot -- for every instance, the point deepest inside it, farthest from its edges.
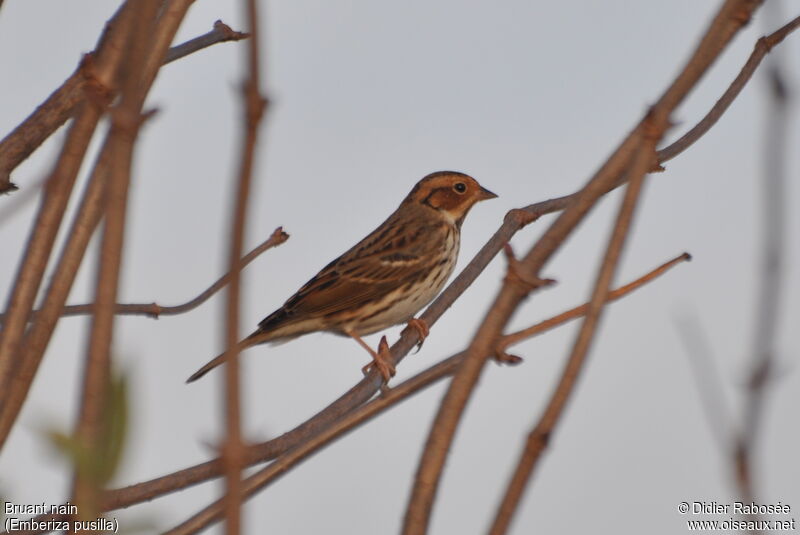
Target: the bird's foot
(422, 330)
(382, 361)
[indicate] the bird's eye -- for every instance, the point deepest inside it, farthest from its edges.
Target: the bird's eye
(460, 187)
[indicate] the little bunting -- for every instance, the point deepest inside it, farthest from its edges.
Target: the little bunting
(384, 279)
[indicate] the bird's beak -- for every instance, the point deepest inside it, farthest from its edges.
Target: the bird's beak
(485, 194)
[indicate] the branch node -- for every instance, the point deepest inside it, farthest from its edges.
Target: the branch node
(97, 93)
(516, 273)
(155, 310)
(227, 33)
(501, 357)
(521, 217)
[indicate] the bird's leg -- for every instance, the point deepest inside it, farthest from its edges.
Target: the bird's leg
(382, 360)
(422, 330)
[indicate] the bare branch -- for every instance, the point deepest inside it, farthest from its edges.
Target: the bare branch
(291, 455)
(762, 47)
(126, 120)
(388, 399)
(524, 334)
(731, 17)
(154, 310)
(540, 435)
(60, 105)
(57, 193)
(221, 33)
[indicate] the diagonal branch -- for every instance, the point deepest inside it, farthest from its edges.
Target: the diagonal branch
(145, 49)
(730, 18)
(760, 50)
(60, 105)
(102, 71)
(392, 397)
(540, 435)
(290, 456)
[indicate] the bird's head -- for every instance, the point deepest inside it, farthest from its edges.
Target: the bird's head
(450, 193)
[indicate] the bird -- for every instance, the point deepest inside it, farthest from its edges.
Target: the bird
(384, 279)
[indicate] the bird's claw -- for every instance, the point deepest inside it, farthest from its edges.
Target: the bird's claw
(382, 361)
(422, 330)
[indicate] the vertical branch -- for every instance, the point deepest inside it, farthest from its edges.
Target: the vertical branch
(150, 40)
(97, 372)
(233, 450)
(540, 435)
(81, 231)
(773, 239)
(102, 71)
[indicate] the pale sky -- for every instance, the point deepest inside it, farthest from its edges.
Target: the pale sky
(368, 97)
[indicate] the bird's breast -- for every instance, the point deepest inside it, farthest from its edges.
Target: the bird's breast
(411, 295)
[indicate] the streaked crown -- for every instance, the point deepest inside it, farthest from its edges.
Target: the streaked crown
(450, 193)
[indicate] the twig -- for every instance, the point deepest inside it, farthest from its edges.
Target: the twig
(60, 105)
(221, 33)
(524, 334)
(731, 17)
(760, 50)
(154, 310)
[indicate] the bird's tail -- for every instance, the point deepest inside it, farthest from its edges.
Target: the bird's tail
(253, 339)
